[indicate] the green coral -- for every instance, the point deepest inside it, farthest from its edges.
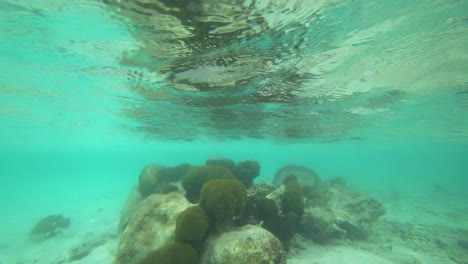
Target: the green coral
(192, 225)
(172, 253)
(223, 199)
(292, 199)
(266, 209)
(196, 177)
(283, 227)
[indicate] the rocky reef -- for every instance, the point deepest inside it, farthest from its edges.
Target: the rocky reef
(217, 214)
(49, 226)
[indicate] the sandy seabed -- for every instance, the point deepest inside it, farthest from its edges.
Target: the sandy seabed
(415, 229)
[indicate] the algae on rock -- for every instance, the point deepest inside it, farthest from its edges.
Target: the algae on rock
(150, 227)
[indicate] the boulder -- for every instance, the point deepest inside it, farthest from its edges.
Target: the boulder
(246, 171)
(247, 244)
(150, 179)
(305, 176)
(156, 178)
(133, 201)
(150, 227)
(347, 214)
(49, 226)
(333, 211)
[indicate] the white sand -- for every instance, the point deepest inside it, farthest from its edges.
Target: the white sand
(337, 254)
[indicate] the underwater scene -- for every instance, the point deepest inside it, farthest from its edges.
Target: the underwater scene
(234, 131)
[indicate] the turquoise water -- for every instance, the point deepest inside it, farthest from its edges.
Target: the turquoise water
(375, 92)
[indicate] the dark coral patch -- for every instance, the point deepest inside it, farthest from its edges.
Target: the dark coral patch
(197, 176)
(246, 171)
(223, 199)
(172, 253)
(192, 225)
(292, 199)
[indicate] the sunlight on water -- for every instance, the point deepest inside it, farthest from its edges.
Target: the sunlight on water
(239, 68)
(365, 102)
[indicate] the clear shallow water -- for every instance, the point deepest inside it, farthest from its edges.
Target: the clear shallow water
(90, 92)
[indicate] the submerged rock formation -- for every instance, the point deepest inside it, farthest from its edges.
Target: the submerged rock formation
(150, 227)
(156, 178)
(247, 244)
(235, 224)
(49, 226)
(134, 200)
(346, 214)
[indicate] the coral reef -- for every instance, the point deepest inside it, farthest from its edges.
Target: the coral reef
(192, 226)
(292, 200)
(196, 177)
(223, 199)
(266, 209)
(283, 227)
(48, 227)
(233, 224)
(247, 244)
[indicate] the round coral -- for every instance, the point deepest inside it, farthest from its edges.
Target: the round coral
(223, 199)
(192, 225)
(196, 177)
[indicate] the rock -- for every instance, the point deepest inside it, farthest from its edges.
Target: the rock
(347, 214)
(276, 196)
(48, 227)
(318, 225)
(305, 176)
(150, 178)
(151, 226)
(335, 212)
(133, 201)
(246, 171)
(156, 178)
(261, 190)
(247, 244)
